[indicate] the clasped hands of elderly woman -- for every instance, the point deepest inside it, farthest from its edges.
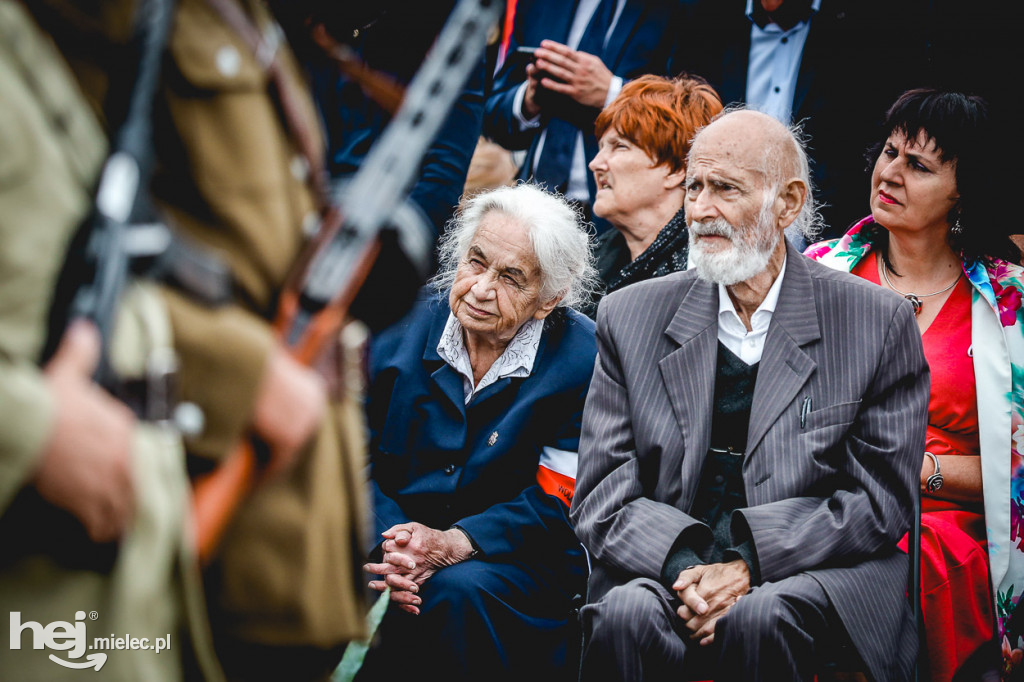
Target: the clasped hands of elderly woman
(412, 553)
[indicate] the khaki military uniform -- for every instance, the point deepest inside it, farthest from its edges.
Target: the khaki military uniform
(232, 178)
(51, 149)
(286, 585)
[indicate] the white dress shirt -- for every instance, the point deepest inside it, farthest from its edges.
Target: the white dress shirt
(747, 345)
(516, 361)
(577, 188)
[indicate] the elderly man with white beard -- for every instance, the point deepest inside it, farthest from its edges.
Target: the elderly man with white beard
(751, 444)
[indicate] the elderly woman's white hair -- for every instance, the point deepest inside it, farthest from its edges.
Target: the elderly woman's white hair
(563, 246)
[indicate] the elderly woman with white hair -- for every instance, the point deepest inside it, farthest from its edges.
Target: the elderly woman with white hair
(475, 405)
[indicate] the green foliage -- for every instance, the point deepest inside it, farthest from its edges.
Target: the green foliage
(1004, 602)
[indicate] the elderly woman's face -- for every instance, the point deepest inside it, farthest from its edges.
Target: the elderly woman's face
(628, 182)
(912, 189)
(498, 282)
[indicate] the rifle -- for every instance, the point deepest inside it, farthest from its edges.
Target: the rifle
(316, 298)
(111, 242)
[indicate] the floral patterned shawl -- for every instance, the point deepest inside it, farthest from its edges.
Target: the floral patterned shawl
(997, 339)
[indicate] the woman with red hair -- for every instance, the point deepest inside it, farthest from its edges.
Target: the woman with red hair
(643, 138)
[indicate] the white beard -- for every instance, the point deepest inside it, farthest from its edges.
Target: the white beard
(749, 254)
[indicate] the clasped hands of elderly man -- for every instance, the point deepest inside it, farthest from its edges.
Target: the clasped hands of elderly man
(708, 591)
(412, 553)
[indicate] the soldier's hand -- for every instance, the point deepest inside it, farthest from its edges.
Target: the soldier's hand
(290, 405)
(85, 467)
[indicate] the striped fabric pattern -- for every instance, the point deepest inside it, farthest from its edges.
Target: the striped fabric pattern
(556, 473)
(829, 493)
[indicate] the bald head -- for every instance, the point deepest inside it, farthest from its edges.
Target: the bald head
(746, 182)
(767, 154)
(753, 141)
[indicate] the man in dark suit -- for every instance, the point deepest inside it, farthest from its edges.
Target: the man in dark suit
(548, 105)
(751, 443)
(857, 56)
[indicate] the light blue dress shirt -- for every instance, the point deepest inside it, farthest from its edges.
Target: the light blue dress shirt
(774, 65)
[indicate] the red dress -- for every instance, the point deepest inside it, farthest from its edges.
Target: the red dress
(956, 595)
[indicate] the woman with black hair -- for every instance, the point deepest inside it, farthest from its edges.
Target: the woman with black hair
(938, 237)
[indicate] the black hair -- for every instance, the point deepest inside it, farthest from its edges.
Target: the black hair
(961, 126)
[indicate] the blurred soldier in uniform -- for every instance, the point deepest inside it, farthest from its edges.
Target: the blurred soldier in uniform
(283, 591)
(239, 154)
(93, 500)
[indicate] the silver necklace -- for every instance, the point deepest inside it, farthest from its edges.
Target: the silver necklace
(915, 299)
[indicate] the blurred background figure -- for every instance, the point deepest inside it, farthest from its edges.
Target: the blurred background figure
(643, 138)
(492, 167)
(938, 235)
(392, 39)
(94, 515)
(475, 405)
(546, 101)
(819, 62)
(360, 60)
(240, 171)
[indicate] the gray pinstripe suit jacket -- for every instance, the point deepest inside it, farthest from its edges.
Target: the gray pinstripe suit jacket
(830, 498)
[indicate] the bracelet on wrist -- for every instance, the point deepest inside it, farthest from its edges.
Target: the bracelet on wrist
(935, 481)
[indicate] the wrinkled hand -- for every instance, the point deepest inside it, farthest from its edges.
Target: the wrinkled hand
(290, 404)
(85, 467)
(412, 554)
(584, 76)
(707, 593)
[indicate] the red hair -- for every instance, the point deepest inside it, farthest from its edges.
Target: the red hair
(661, 115)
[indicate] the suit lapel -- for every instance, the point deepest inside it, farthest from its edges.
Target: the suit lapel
(556, 20)
(689, 376)
(785, 366)
(447, 379)
(619, 38)
(735, 59)
(826, 23)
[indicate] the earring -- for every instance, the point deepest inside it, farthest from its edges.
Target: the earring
(957, 228)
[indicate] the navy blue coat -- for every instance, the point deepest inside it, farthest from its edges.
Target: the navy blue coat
(642, 42)
(507, 612)
(437, 461)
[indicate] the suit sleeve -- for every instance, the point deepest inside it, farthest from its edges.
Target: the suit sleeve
(500, 123)
(881, 459)
(613, 516)
(446, 163)
(42, 200)
(535, 520)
